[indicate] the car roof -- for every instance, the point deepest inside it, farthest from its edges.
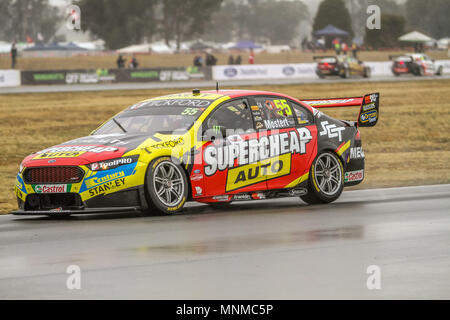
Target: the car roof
(233, 93)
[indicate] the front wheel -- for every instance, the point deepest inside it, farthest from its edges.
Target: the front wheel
(420, 72)
(346, 73)
(326, 179)
(166, 186)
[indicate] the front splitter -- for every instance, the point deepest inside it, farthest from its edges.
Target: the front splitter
(83, 211)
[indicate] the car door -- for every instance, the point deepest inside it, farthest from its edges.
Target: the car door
(228, 154)
(429, 65)
(355, 67)
(290, 141)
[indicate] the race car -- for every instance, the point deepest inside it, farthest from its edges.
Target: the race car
(341, 65)
(418, 64)
(213, 147)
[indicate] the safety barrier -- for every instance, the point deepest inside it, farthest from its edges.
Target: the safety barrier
(114, 75)
(292, 71)
(9, 78)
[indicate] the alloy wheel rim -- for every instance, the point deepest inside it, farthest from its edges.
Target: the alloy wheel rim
(168, 183)
(328, 174)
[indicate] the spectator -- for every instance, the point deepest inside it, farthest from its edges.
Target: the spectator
(337, 46)
(344, 48)
(251, 57)
(134, 63)
(210, 60)
(355, 50)
(321, 44)
(120, 62)
(304, 44)
(198, 61)
(13, 55)
(230, 60)
(238, 60)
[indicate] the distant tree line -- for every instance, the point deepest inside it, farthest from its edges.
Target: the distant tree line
(22, 20)
(397, 18)
(125, 22)
(121, 23)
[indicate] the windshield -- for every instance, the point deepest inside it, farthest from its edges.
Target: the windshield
(163, 116)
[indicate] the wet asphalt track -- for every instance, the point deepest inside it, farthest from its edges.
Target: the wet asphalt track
(206, 84)
(273, 249)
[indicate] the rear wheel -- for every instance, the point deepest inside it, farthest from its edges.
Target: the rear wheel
(440, 71)
(326, 179)
(367, 72)
(166, 186)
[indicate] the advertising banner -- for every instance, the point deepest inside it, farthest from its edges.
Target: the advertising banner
(67, 76)
(299, 70)
(381, 68)
(445, 66)
(264, 71)
(9, 78)
(114, 75)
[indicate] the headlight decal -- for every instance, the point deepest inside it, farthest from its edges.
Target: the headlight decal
(113, 163)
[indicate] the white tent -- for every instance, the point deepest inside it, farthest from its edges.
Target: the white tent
(161, 47)
(415, 36)
(443, 43)
(5, 47)
(156, 47)
(136, 48)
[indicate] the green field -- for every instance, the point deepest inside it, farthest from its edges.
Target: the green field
(409, 146)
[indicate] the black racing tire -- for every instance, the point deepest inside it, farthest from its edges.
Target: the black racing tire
(440, 71)
(396, 74)
(346, 73)
(166, 186)
(326, 179)
(419, 72)
(367, 72)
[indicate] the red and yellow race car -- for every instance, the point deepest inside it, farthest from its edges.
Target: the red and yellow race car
(214, 147)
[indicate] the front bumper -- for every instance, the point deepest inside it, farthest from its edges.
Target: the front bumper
(81, 211)
(132, 199)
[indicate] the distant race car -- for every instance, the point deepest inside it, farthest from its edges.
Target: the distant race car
(418, 64)
(213, 147)
(341, 65)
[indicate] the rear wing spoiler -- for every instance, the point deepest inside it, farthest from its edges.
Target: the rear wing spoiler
(395, 56)
(323, 57)
(368, 112)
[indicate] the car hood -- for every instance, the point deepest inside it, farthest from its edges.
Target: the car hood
(86, 150)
